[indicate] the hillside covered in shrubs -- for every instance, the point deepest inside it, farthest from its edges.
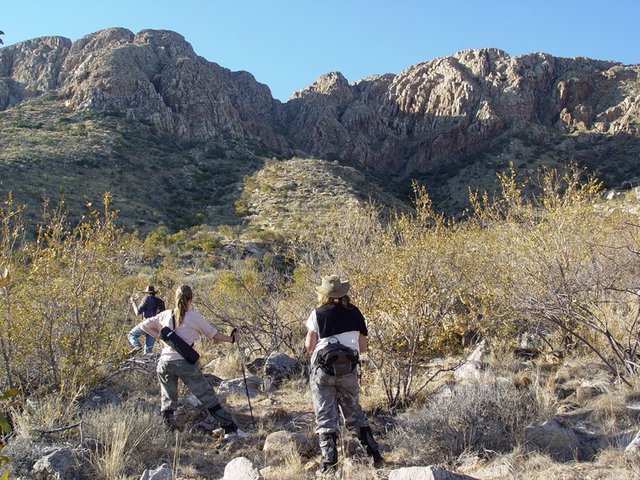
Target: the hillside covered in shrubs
(549, 284)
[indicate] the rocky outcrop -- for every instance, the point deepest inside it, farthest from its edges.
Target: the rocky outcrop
(428, 115)
(454, 106)
(154, 76)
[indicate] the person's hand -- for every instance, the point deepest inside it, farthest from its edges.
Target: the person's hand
(235, 335)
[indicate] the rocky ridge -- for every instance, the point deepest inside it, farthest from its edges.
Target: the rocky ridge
(430, 114)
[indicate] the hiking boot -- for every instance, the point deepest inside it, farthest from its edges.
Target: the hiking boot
(329, 450)
(378, 461)
(169, 421)
(370, 445)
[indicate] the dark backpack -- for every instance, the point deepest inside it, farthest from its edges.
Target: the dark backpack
(171, 338)
(337, 359)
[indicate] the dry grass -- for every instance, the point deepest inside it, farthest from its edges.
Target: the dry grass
(225, 363)
(124, 436)
(291, 469)
(474, 417)
(48, 412)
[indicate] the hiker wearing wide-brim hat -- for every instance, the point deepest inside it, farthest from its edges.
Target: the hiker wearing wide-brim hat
(151, 305)
(336, 335)
(188, 324)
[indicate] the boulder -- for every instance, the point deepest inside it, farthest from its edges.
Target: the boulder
(241, 468)
(61, 464)
(586, 392)
(475, 364)
(237, 386)
(99, 397)
(561, 441)
(426, 473)
(279, 367)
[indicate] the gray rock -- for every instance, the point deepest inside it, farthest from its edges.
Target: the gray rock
(561, 441)
(61, 464)
(98, 398)
(634, 446)
(279, 367)
(241, 468)
(586, 392)
(475, 364)
(237, 386)
(426, 473)
(163, 472)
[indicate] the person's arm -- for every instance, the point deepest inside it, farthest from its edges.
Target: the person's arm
(363, 339)
(311, 341)
(137, 310)
(209, 331)
(221, 337)
(363, 343)
(151, 326)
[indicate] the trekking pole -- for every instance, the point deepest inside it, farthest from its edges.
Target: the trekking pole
(244, 377)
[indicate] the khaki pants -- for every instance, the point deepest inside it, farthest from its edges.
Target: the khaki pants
(170, 371)
(330, 393)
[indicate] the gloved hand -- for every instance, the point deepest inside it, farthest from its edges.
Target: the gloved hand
(235, 335)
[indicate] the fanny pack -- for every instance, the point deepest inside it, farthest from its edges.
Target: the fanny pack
(171, 338)
(337, 359)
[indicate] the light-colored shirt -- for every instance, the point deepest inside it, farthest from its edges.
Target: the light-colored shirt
(193, 326)
(350, 339)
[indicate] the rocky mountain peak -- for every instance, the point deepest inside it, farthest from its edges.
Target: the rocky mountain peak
(430, 114)
(332, 83)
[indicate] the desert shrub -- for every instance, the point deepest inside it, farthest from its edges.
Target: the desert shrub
(5, 429)
(250, 295)
(563, 266)
(64, 304)
(405, 280)
(470, 417)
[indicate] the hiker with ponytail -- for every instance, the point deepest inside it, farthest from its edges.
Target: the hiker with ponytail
(189, 324)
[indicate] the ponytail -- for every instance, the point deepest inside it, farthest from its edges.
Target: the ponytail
(184, 295)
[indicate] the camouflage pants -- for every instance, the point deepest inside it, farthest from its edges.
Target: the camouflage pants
(329, 394)
(170, 371)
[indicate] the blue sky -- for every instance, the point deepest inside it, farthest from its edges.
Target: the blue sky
(287, 44)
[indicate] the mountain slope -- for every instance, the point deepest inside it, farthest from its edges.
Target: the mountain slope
(124, 106)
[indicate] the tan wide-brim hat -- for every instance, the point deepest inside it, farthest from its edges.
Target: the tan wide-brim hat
(333, 287)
